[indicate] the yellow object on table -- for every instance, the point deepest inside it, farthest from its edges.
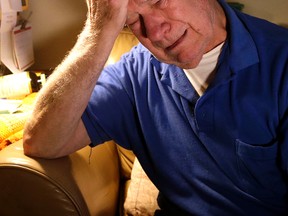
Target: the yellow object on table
(11, 125)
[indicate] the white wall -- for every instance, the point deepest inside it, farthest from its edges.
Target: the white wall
(56, 24)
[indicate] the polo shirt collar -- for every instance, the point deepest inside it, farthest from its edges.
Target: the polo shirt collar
(178, 81)
(241, 47)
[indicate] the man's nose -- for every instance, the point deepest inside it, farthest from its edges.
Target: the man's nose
(155, 27)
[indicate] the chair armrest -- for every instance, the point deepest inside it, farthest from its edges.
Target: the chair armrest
(83, 183)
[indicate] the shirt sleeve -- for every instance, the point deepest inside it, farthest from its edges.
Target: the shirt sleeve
(111, 112)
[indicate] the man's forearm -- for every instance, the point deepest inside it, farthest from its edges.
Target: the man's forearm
(56, 118)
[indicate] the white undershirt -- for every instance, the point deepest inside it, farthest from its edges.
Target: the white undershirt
(202, 75)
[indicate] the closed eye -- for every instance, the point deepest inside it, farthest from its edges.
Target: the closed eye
(138, 25)
(132, 19)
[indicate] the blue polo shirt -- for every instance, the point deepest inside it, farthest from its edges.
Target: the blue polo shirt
(225, 153)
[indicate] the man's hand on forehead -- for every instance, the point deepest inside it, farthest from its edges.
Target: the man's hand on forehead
(107, 12)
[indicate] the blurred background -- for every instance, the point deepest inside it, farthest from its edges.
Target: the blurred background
(56, 25)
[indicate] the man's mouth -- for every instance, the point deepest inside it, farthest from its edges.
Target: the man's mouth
(177, 42)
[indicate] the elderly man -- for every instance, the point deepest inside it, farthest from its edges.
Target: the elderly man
(202, 101)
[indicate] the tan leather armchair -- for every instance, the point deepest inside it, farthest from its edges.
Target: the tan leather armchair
(87, 182)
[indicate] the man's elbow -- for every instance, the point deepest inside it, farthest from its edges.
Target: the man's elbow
(28, 147)
(36, 148)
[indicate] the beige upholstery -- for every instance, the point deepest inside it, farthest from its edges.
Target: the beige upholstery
(80, 184)
(123, 44)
